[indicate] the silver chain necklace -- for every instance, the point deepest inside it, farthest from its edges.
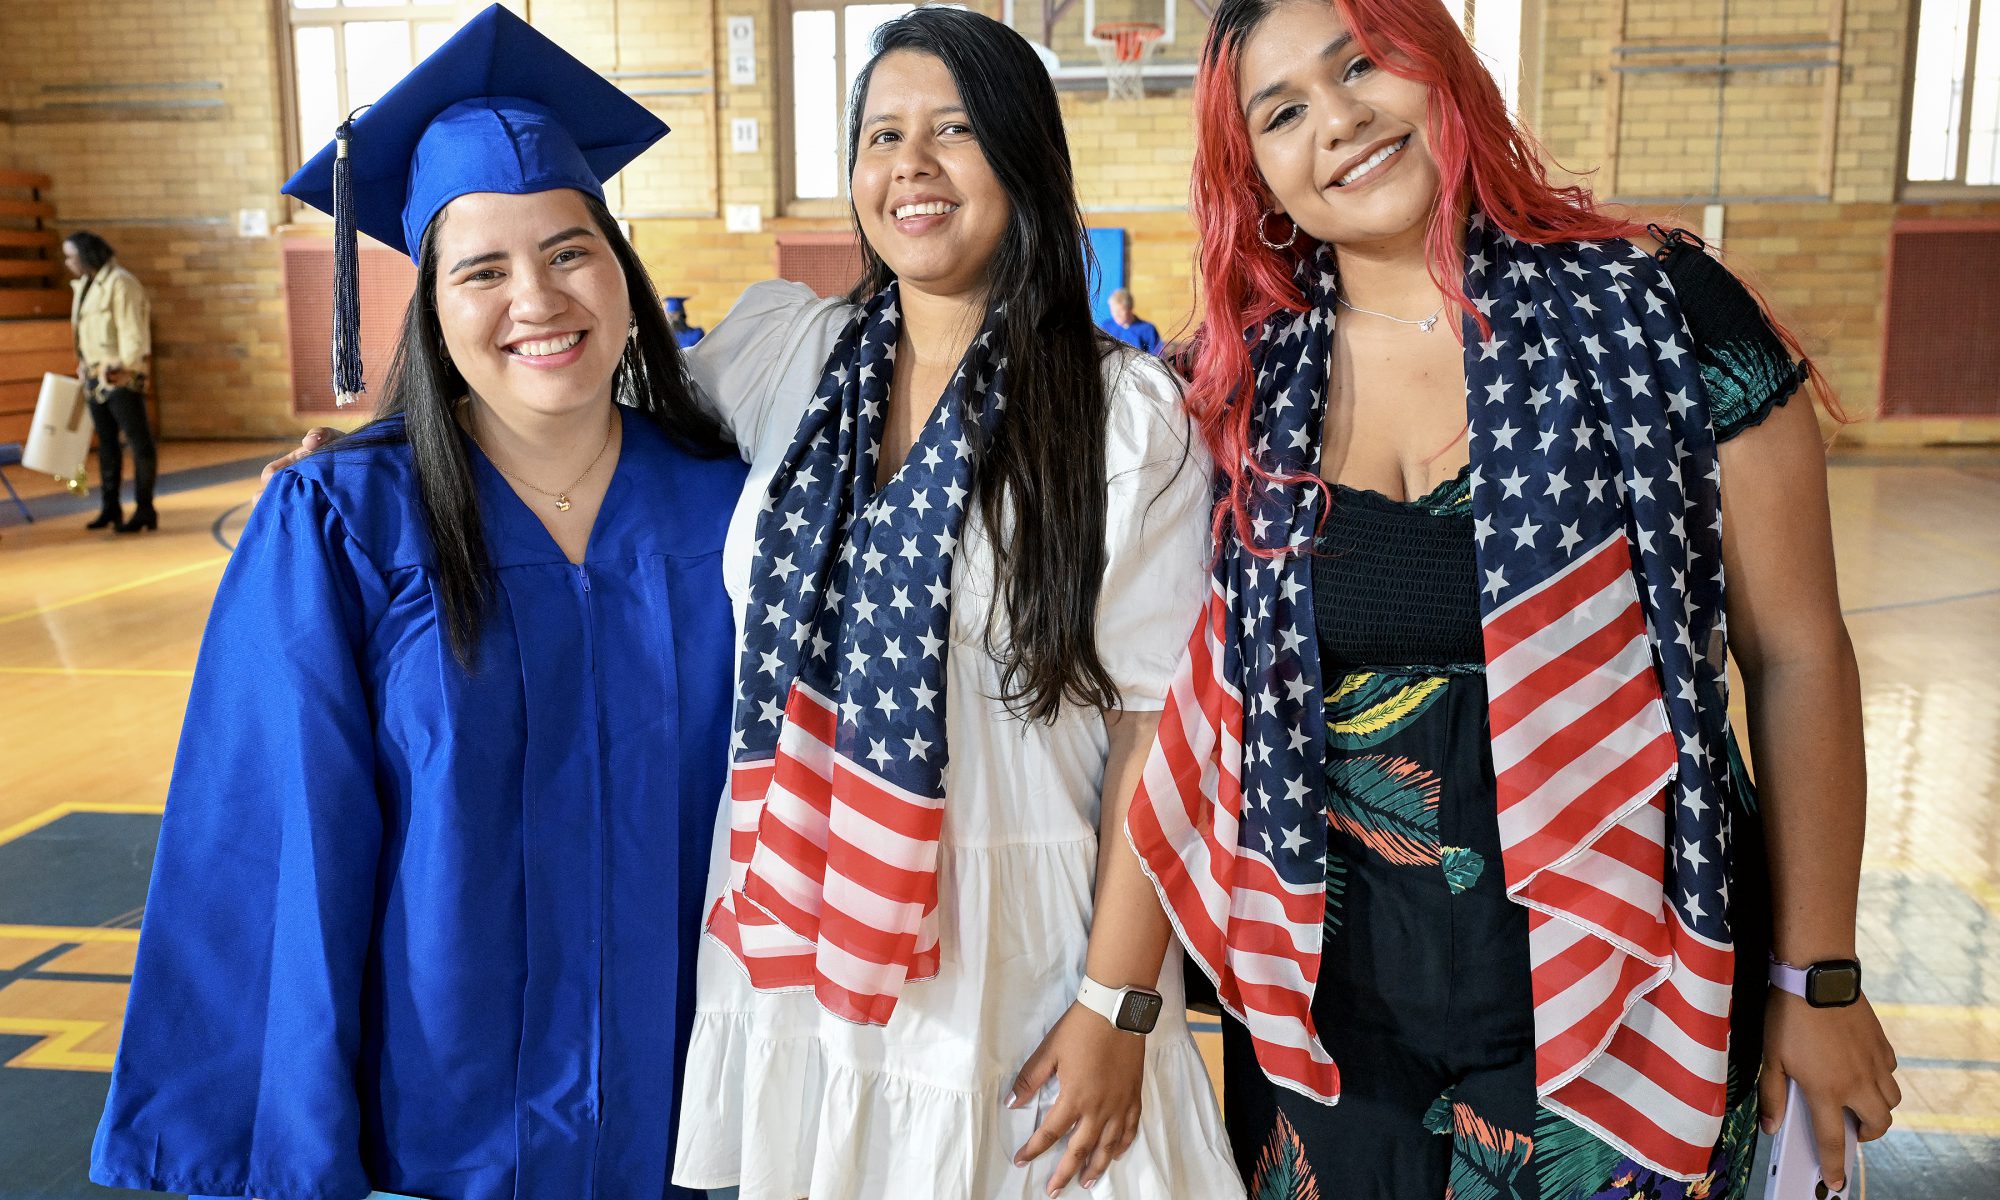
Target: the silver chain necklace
(1424, 325)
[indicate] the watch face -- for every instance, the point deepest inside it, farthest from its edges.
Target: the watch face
(1140, 1011)
(1833, 984)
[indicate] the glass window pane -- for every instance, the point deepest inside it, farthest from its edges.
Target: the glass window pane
(862, 22)
(314, 3)
(1496, 26)
(378, 54)
(816, 107)
(1983, 154)
(318, 85)
(431, 35)
(1940, 81)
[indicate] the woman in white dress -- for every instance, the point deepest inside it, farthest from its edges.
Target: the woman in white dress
(916, 978)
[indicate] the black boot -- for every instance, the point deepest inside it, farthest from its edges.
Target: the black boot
(142, 518)
(108, 516)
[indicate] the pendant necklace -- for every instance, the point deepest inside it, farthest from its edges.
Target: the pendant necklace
(1423, 325)
(561, 498)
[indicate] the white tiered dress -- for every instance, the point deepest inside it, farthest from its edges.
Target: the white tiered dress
(787, 1101)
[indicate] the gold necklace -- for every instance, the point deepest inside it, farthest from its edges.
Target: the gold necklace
(562, 497)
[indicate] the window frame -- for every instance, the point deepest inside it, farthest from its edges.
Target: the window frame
(1956, 188)
(790, 203)
(288, 19)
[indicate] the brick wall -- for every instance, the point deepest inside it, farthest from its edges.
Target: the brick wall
(164, 180)
(1132, 161)
(1820, 264)
(160, 171)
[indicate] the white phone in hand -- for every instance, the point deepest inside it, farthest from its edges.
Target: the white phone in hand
(1795, 1167)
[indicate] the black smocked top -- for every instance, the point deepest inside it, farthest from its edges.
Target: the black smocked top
(1396, 583)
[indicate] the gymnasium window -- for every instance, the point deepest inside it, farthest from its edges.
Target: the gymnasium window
(828, 44)
(1495, 29)
(346, 55)
(1955, 94)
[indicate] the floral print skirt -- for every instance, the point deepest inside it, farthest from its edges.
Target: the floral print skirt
(1424, 998)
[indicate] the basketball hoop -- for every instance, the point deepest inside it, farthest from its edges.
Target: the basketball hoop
(1125, 47)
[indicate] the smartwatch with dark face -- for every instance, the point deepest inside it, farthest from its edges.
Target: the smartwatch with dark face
(1831, 983)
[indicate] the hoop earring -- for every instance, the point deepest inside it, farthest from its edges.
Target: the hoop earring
(1265, 238)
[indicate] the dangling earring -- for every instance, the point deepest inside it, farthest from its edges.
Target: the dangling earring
(1265, 237)
(627, 390)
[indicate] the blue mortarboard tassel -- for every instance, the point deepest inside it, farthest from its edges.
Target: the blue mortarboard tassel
(347, 381)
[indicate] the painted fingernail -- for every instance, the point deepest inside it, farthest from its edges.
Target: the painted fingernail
(1014, 1098)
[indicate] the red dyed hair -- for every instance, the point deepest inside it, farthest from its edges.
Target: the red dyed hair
(1482, 158)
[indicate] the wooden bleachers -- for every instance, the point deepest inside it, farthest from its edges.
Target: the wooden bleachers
(27, 350)
(34, 299)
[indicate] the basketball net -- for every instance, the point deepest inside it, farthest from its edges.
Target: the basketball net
(1125, 47)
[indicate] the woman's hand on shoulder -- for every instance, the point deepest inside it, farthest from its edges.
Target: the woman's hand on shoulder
(1841, 1060)
(1098, 1070)
(315, 438)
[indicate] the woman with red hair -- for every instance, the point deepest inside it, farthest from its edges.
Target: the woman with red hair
(1446, 801)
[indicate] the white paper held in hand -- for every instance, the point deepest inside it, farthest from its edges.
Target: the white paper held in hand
(1795, 1167)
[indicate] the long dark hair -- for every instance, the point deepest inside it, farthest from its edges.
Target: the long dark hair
(1041, 487)
(94, 251)
(424, 388)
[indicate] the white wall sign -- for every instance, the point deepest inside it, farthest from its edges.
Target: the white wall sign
(253, 222)
(743, 135)
(742, 51)
(743, 218)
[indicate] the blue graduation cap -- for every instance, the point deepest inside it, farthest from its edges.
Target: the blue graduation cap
(497, 108)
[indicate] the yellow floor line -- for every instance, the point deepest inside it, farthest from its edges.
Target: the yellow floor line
(1946, 1123)
(102, 672)
(1975, 1013)
(57, 1051)
(50, 816)
(203, 565)
(66, 933)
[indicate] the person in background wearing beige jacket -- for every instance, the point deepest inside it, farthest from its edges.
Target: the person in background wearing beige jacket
(114, 347)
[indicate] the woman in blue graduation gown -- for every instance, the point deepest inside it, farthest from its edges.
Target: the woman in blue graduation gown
(425, 907)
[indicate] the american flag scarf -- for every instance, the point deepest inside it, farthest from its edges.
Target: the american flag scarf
(838, 754)
(1597, 504)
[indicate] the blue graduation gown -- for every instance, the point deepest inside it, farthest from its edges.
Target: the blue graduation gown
(419, 929)
(1142, 334)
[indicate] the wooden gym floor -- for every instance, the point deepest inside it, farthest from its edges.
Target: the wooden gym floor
(97, 645)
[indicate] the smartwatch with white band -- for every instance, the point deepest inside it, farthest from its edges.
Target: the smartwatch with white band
(1834, 983)
(1132, 1009)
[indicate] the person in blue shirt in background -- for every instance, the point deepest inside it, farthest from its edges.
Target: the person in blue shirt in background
(425, 907)
(1126, 326)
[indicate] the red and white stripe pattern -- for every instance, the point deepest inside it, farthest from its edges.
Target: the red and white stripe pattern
(1596, 503)
(833, 872)
(839, 752)
(1631, 1005)
(1255, 932)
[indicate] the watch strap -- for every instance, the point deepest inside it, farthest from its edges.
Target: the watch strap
(1788, 978)
(1112, 1004)
(1102, 1000)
